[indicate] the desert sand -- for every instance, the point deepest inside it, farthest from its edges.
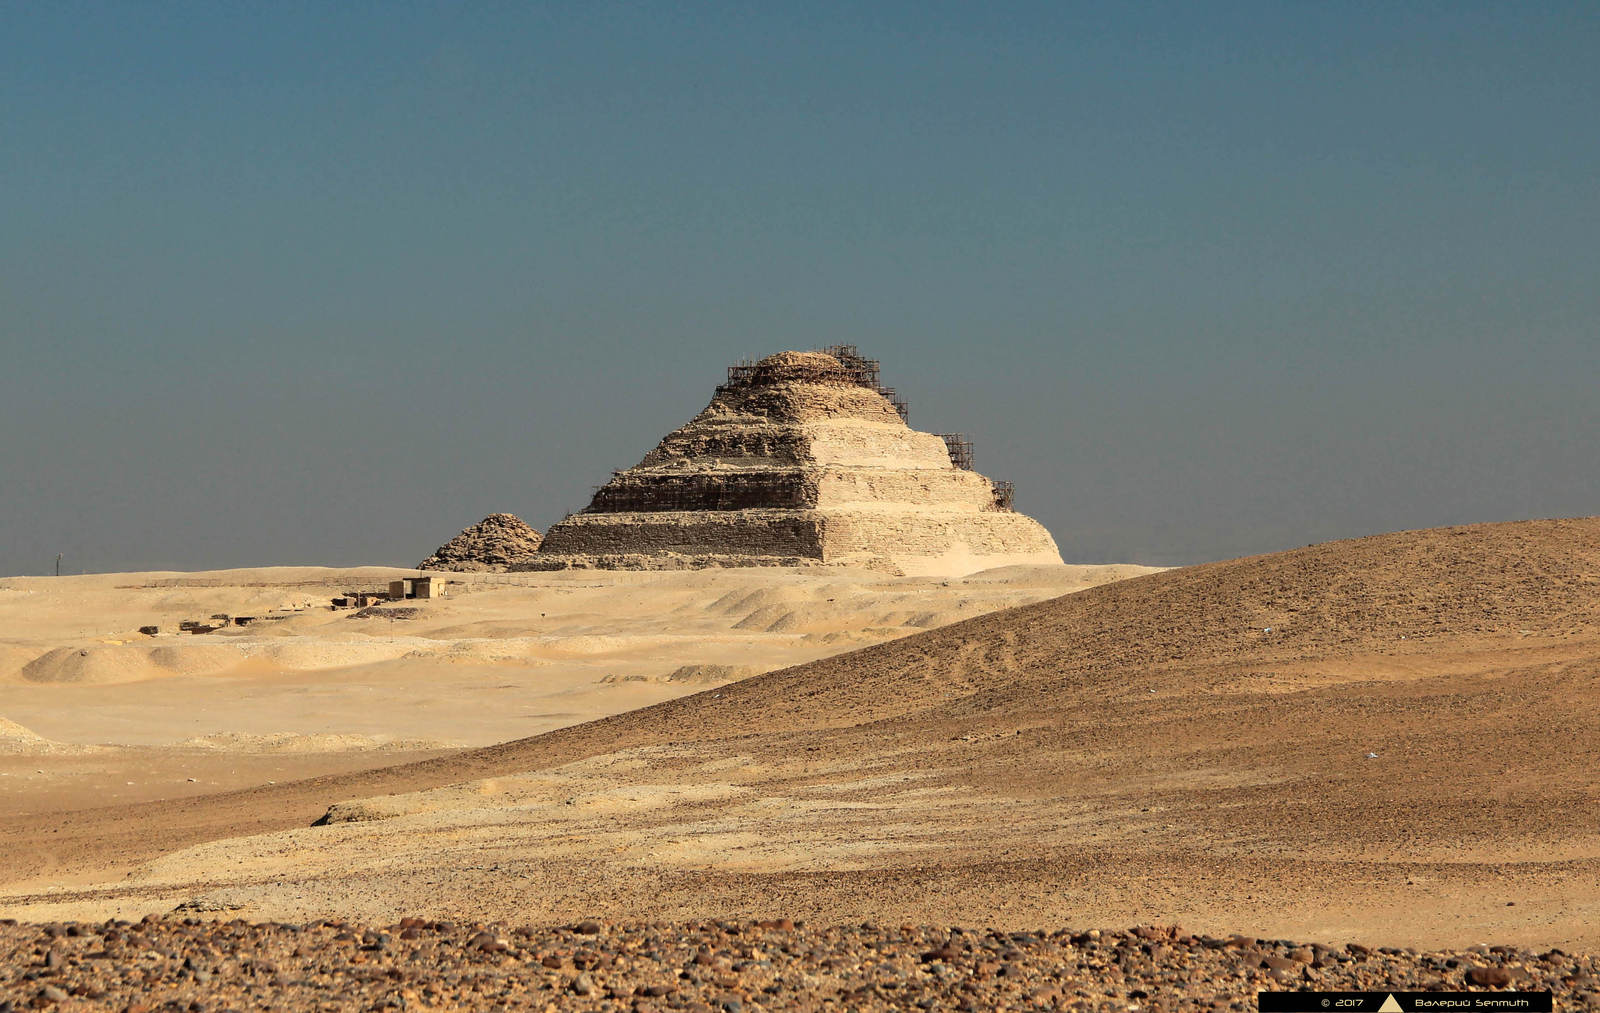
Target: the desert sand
(95, 712)
(1389, 740)
(1364, 764)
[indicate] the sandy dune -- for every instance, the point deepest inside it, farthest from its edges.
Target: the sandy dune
(1390, 739)
(506, 657)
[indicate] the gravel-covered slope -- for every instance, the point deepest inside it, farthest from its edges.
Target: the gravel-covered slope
(730, 966)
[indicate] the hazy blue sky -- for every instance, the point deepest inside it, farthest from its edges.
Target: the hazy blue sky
(324, 283)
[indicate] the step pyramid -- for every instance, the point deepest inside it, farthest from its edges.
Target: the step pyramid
(800, 458)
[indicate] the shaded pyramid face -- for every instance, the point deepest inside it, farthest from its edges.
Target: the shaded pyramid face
(797, 461)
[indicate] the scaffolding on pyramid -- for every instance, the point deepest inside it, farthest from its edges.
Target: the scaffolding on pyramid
(858, 369)
(863, 372)
(960, 449)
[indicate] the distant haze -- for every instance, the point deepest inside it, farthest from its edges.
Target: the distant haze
(326, 284)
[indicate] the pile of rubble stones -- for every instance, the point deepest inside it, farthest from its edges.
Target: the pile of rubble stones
(493, 545)
(173, 963)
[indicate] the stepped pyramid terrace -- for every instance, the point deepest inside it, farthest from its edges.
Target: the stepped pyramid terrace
(801, 458)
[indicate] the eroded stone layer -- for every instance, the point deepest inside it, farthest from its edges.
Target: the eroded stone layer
(796, 533)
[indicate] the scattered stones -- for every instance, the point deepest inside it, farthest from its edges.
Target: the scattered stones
(187, 963)
(390, 612)
(1489, 977)
(489, 942)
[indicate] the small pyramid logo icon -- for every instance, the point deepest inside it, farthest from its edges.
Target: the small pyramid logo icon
(1390, 1005)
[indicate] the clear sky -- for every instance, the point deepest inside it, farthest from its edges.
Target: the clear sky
(324, 283)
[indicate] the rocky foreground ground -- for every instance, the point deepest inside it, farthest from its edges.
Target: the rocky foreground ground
(177, 963)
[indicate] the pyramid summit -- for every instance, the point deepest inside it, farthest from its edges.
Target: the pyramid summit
(800, 458)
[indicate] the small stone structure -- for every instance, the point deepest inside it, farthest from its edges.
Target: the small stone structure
(416, 587)
(493, 545)
(800, 458)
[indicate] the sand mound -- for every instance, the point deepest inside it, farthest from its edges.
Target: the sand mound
(710, 675)
(1389, 593)
(495, 650)
(1389, 738)
(746, 599)
(314, 655)
(15, 738)
(194, 658)
(492, 545)
(324, 742)
(13, 659)
(110, 664)
(94, 665)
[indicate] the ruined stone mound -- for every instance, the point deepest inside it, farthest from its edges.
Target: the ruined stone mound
(493, 545)
(800, 458)
(17, 740)
(15, 737)
(806, 367)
